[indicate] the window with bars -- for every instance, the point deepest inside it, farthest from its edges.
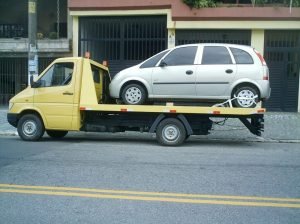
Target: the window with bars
(213, 36)
(122, 38)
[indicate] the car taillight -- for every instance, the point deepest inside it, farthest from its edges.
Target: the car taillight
(265, 77)
(263, 62)
(266, 73)
(261, 58)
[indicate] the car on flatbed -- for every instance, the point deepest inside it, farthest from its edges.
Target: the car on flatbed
(198, 72)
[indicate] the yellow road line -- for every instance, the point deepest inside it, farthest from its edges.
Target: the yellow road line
(158, 199)
(157, 194)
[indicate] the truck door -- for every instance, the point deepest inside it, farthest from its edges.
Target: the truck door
(54, 95)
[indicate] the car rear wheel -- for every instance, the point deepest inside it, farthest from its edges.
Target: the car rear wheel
(246, 97)
(171, 132)
(134, 94)
(30, 127)
(56, 134)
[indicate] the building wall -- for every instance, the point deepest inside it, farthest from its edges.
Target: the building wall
(181, 17)
(16, 12)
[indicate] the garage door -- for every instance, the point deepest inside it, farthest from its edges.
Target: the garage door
(213, 36)
(123, 41)
(282, 53)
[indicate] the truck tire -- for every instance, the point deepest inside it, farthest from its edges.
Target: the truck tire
(170, 132)
(134, 94)
(56, 134)
(30, 127)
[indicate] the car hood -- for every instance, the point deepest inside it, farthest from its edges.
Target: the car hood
(128, 70)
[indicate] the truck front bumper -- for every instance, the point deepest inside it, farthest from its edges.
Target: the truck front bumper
(12, 119)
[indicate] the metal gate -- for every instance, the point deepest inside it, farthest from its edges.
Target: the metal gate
(13, 76)
(213, 36)
(282, 53)
(122, 41)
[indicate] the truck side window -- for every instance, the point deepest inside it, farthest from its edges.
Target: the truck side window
(59, 74)
(96, 74)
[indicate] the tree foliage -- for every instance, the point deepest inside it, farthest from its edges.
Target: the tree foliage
(214, 3)
(200, 3)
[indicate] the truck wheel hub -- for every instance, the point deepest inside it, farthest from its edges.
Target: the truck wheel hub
(170, 133)
(29, 128)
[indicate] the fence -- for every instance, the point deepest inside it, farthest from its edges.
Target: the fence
(13, 76)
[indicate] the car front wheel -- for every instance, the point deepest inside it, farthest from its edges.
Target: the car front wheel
(246, 97)
(134, 94)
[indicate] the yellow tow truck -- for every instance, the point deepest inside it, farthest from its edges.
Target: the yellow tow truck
(72, 94)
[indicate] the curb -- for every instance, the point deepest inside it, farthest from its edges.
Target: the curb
(9, 133)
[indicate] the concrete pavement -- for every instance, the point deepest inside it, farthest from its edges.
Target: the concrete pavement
(279, 126)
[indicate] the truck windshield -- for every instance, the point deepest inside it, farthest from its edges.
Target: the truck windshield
(59, 74)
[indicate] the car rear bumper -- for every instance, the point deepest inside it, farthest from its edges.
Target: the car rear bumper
(265, 89)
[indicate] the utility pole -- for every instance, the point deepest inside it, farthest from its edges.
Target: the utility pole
(32, 41)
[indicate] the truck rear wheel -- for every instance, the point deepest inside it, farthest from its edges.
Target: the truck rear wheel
(56, 134)
(170, 132)
(30, 127)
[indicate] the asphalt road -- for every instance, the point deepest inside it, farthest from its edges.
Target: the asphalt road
(131, 179)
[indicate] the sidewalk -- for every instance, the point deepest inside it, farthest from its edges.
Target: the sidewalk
(279, 126)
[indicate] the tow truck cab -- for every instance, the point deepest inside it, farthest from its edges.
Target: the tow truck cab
(55, 96)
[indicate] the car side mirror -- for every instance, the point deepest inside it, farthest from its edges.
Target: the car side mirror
(162, 64)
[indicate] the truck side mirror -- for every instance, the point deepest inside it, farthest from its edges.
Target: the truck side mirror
(31, 81)
(38, 83)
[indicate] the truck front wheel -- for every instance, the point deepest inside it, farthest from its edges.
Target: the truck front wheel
(170, 132)
(56, 134)
(30, 127)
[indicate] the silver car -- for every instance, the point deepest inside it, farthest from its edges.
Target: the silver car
(200, 72)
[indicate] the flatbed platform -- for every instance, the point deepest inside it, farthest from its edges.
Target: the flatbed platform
(172, 109)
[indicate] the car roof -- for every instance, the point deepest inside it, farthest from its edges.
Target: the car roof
(216, 44)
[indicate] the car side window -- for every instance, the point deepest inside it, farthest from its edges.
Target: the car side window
(59, 74)
(154, 60)
(241, 56)
(213, 55)
(181, 56)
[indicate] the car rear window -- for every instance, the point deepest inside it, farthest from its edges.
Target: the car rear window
(154, 60)
(213, 55)
(241, 56)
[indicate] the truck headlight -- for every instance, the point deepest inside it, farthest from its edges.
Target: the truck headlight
(10, 105)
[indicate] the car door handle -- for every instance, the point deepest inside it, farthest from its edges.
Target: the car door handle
(189, 72)
(229, 71)
(67, 93)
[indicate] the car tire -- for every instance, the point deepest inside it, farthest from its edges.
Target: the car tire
(245, 92)
(56, 134)
(134, 94)
(170, 132)
(30, 127)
